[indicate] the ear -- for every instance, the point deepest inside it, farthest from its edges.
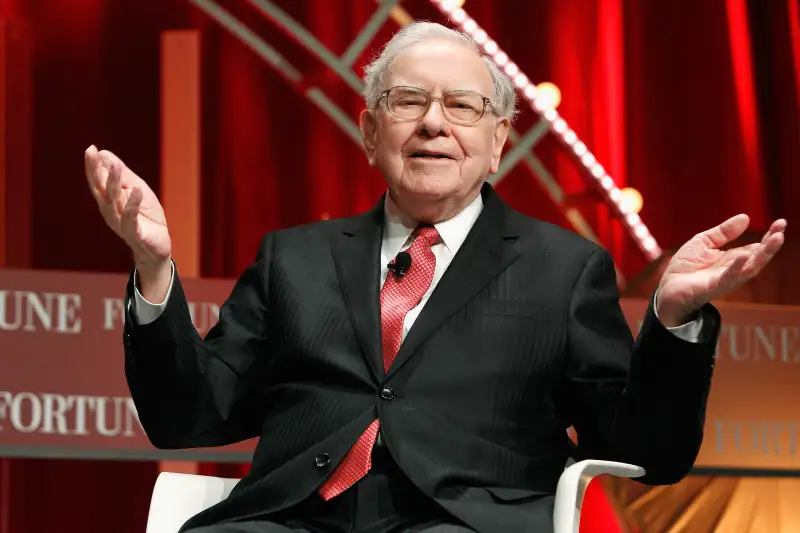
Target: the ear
(368, 123)
(500, 135)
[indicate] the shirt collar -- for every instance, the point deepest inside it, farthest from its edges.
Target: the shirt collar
(453, 231)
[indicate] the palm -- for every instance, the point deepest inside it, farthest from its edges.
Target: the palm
(701, 271)
(129, 206)
(151, 227)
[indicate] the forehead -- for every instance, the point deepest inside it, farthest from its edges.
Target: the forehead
(440, 65)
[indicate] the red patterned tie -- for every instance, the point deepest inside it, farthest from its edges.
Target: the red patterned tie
(398, 297)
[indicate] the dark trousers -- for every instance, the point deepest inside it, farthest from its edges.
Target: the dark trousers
(384, 501)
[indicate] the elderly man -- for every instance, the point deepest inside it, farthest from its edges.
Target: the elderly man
(415, 368)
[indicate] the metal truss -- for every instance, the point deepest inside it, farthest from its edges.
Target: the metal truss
(522, 144)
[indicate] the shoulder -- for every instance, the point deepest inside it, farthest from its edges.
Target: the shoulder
(321, 228)
(313, 235)
(566, 256)
(552, 239)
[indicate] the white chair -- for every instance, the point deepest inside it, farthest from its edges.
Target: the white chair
(178, 497)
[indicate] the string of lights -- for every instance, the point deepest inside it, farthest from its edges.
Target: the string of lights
(543, 100)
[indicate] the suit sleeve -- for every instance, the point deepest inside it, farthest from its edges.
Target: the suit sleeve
(193, 392)
(639, 401)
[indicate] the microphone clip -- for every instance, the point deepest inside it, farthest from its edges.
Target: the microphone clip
(400, 265)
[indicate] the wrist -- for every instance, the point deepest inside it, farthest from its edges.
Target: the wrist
(153, 279)
(149, 268)
(673, 316)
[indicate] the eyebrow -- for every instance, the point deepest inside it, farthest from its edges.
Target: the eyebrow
(445, 90)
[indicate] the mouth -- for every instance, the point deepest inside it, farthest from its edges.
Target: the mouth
(429, 155)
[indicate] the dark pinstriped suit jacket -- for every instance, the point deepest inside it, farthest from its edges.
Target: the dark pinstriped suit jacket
(522, 337)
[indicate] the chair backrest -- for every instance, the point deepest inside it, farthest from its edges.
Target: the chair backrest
(178, 497)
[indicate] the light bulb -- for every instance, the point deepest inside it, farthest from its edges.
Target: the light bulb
(550, 93)
(631, 200)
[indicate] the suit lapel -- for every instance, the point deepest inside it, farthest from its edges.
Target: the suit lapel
(487, 251)
(357, 256)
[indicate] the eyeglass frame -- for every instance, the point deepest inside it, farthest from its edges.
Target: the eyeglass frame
(431, 99)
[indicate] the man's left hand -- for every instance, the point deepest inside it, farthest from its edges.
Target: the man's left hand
(700, 272)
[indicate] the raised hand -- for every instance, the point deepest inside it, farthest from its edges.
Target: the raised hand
(700, 271)
(132, 210)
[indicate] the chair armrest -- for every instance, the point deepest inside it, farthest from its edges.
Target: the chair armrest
(178, 497)
(572, 487)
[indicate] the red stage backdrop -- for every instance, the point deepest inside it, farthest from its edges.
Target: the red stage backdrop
(693, 103)
(63, 390)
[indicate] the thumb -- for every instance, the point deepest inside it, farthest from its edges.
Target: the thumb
(726, 232)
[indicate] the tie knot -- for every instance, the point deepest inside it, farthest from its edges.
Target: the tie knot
(429, 233)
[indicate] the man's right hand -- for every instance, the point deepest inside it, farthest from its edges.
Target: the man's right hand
(132, 210)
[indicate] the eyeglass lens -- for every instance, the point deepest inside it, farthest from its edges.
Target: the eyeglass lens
(410, 103)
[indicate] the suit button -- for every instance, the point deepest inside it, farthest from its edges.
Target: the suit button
(387, 393)
(322, 460)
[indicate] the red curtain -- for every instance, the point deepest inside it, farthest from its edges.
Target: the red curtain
(696, 104)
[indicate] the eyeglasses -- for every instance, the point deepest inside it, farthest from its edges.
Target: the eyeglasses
(413, 103)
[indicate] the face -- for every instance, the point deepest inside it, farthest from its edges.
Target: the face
(433, 167)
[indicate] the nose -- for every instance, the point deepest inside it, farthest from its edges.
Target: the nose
(433, 124)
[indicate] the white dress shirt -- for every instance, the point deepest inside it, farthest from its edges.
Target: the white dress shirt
(396, 238)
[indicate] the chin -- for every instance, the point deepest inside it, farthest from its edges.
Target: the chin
(430, 186)
(427, 201)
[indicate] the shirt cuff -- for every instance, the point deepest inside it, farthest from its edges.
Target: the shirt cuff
(689, 332)
(145, 311)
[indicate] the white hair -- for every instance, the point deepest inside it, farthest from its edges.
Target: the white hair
(504, 97)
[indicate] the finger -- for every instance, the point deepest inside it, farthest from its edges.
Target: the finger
(762, 255)
(774, 243)
(726, 232)
(89, 162)
(108, 157)
(750, 249)
(779, 226)
(114, 184)
(129, 222)
(747, 249)
(95, 174)
(127, 178)
(733, 273)
(98, 194)
(768, 250)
